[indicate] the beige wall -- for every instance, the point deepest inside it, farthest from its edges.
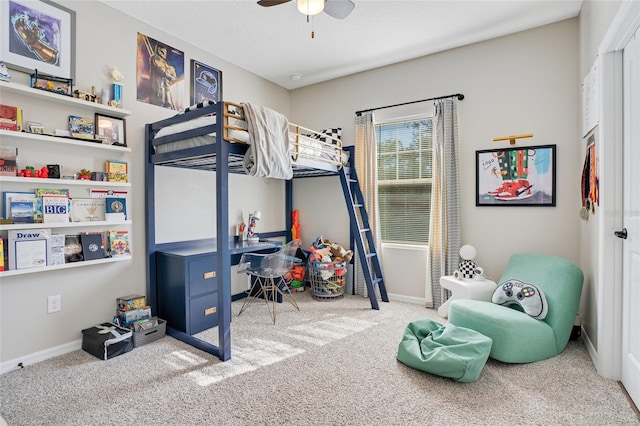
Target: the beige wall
(526, 82)
(27, 332)
(522, 83)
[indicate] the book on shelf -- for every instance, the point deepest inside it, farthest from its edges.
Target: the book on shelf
(1, 254)
(72, 249)
(119, 243)
(28, 248)
(103, 240)
(116, 209)
(87, 209)
(55, 209)
(5, 253)
(22, 210)
(62, 192)
(117, 170)
(49, 192)
(56, 249)
(92, 247)
(104, 193)
(8, 195)
(8, 161)
(81, 127)
(10, 118)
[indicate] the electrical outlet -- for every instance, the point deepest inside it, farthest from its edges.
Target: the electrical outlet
(54, 304)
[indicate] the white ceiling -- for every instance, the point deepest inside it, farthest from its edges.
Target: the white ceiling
(275, 43)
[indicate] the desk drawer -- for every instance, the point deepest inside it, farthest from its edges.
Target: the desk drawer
(202, 276)
(203, 312)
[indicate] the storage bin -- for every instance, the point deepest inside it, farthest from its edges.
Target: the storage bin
(327, 279)
(106, 340)
(144, 336)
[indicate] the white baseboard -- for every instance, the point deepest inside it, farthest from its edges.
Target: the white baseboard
(408, 299)
(593, 352)
(36, 357)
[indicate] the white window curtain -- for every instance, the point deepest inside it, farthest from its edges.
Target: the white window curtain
(366, 164)
(444, 230)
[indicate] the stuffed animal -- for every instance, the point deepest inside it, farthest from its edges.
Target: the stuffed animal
(340, 253)
(317, 255)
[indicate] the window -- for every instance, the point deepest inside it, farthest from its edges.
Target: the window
(404, 180)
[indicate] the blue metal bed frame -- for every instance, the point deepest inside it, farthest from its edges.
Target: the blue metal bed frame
(223, 157)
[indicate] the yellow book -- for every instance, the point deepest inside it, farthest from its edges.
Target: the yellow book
(118, 171)
(1, 254)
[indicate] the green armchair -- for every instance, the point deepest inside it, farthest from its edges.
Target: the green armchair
(518, 337)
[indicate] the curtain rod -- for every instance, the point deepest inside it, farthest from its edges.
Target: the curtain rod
(460, 97)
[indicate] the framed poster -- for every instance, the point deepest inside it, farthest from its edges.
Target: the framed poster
(38, 35)
(159, 73)
(206, 83)
(524, 176)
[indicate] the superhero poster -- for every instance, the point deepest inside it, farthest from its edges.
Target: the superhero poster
(522, 176)
(159, 74)
(37, 35)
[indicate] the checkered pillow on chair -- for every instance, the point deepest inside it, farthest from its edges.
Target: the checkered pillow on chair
(333, 132)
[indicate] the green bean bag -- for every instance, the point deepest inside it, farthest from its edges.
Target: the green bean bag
(444, 350)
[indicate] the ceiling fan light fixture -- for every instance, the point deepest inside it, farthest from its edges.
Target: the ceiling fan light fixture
(310, 7)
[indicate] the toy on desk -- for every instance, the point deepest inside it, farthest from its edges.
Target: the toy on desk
(467, 266)
(253, 218)
(295, 228)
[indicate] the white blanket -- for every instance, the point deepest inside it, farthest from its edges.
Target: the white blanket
(268, 155)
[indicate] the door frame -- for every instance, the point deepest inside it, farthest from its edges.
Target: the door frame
(609, 288)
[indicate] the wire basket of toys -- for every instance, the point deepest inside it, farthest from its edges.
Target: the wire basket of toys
(327, 279)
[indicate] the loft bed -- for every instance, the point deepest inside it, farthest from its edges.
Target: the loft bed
(189, 140)
(214, 137)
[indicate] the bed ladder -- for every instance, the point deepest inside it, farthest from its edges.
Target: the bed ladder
(360, 230)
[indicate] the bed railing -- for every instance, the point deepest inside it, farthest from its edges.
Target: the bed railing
(305, 142)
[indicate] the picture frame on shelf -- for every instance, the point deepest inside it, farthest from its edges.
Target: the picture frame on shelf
(81, 127)
(30, 125)
(110, 130)
(54, 171)
(41, 36)
(518, 176)
(206, 83)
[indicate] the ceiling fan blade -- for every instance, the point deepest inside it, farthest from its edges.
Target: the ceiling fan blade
(339, 9)
(269, 3)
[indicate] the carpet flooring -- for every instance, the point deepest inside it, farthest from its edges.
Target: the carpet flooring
(331, 363)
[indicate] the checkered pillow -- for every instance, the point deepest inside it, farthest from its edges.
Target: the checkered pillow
(198, 105)
(333, 132)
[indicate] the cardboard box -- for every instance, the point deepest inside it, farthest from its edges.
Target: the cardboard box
(107, 340)
(130, 302)
(129, 317)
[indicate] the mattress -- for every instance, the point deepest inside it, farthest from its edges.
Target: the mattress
(207, 139)
(308, 147)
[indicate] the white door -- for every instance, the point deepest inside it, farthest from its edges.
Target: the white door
(631, 220)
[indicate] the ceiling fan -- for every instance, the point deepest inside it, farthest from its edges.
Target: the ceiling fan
(339, 9)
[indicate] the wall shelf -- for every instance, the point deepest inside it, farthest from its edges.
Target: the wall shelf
(65, 266)
(69, 101)
(35, 138)
(74, 149)
(101, 223)
(64, 182)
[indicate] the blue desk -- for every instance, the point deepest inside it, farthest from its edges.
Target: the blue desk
(188, 287)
